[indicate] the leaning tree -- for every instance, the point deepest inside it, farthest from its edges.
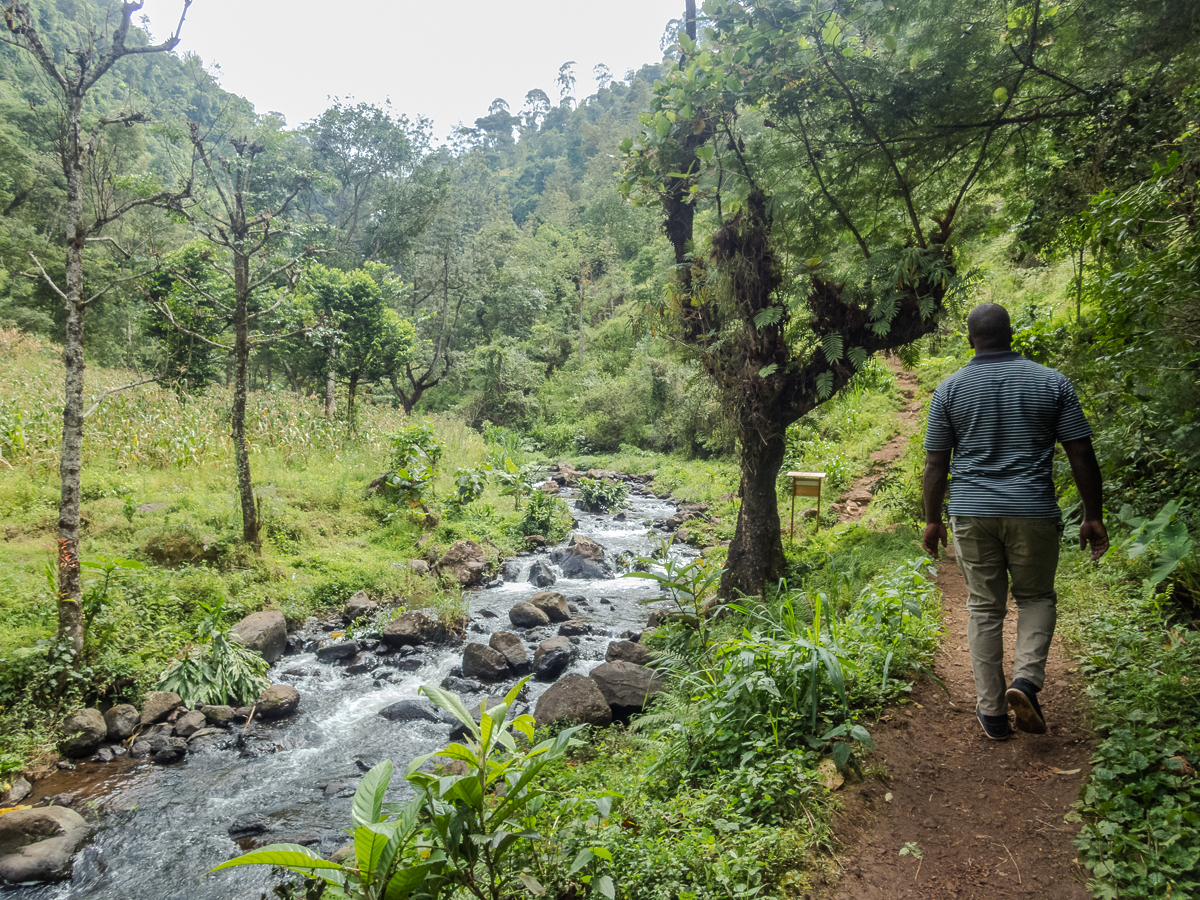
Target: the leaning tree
(73, 71)
(824, 153)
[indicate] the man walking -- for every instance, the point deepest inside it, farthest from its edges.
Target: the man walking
(993, 425)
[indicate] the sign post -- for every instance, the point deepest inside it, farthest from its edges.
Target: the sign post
(806, 484)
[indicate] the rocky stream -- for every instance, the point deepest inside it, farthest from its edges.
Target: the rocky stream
(156, 829)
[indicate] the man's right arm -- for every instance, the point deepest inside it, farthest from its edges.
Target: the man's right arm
(937, 470)
(1086, 471)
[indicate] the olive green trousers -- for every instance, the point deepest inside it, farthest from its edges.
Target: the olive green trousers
(990, 552)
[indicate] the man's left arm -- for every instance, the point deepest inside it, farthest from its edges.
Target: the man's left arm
(1086, 471)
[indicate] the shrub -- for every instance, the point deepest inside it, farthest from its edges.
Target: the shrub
(602, 493)
(226, 672)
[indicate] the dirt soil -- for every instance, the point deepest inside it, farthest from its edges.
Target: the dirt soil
(986, 817)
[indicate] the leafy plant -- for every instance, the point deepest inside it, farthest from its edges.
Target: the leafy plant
(602, 493)
(225, 672)
(538, 515)
(688, 586)
(469, 485)
(516, 481)
(96, 590)
(1168, 535)
(462, 835)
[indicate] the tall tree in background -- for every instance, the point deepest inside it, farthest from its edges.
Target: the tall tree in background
(893, 115)
(74, 71)
(242, 213)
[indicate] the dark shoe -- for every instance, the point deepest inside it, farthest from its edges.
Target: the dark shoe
(995, 727)
(1022, 700)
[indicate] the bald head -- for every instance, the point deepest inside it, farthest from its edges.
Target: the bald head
(989, 328)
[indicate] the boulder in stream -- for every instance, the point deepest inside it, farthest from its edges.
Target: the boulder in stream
(526, 615)
(626, 687)
(189, 723)
(574, 628)
(264, 631)
(415, 627)
(18, 791)
(541, 575)
(342, 651)
(410, 711)
(220, 716)
(511, 570)
(582, 558)
(122, 721)
(576, 700)
(553, 604)
(278, 701)
(38, 844)
(552, 658)
(85, 730)
(158, 705)
(358, 605)
(166, 749)
(484, 663)
(628, 651)
(512, 648)
(465, 562)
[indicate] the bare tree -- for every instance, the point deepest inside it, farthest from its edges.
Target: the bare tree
(80, 70)
(241, 220)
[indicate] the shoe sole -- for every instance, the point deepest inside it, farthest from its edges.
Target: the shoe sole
(1027, 717)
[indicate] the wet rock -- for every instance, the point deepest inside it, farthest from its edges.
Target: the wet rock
(511, 570)
(336, 787)
(476, 628)
(535, 541)
(37, 845)
(496, 582)
(574, 628)
(339, 652)
(540, 575)
(626, 687)
(415, 627)
(166, 749)
(572, 608)
(628, 651)
(364, 663)
(153, 730)
(293, 645)
(370, 644)
(635, 636)
(574, 699)
(242, 713)
(526, 615)
(484, 664)
(18, 791)
(410, 664)
(265, 632)
(278, 701)
(189, 723)
(552, 658)
(66, 800)
(85, 730)
(461, 685)
(548, 487)
(122, 721)
(553, 604)
(358, 605)
(103, 755)
(488, 614)
(204, 733)
(605, 601)
(513, 650)
(409, 711)
(464, 562)
(582, 558)
(139, 749)
(118, 752)
(246, 827)
(158, 705)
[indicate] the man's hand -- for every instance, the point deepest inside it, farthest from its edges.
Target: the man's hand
(935, 533)
(1091, 531)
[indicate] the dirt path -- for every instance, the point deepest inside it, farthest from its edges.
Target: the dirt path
(985, 816)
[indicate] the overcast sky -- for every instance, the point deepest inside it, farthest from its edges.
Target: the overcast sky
(445, 60)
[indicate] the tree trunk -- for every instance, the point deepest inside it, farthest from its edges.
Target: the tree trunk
(350, 394)
(756, 552)
(241, 352)
(330, 384)
(70, 590)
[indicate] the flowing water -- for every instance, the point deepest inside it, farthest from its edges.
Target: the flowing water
(161, 828)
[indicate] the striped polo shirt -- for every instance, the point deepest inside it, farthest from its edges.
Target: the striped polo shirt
(1000, 415)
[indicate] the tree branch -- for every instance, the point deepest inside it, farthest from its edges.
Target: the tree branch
(123, 387)
(50, 281)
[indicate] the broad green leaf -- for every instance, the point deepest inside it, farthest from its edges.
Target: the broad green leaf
(584, 857)
(1000, 96)
(405, 881)
(369, 844)
(452, 703)
(889, 41)
(368, 799)
(607, 888)
(290, 856)
(531, 883)
(704, 154)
